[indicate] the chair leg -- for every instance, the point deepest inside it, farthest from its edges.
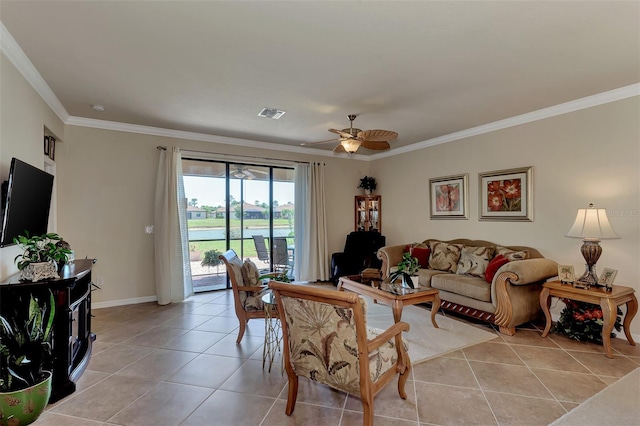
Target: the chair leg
(367, 410)
(293, 393)
(243, 326)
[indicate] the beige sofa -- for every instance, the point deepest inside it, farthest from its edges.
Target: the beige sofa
(509, 300)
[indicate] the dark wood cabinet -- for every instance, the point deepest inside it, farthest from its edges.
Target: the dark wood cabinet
(72, 337)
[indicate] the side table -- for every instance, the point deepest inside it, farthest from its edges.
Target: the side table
(608, 301)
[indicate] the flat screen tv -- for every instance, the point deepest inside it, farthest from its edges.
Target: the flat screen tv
(28, 200)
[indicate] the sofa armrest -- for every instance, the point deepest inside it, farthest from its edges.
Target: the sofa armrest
(515, 291)
(529, 270)
(390, 256)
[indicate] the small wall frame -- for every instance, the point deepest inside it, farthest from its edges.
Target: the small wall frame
(449, 197)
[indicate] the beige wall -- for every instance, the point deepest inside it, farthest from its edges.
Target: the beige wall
(109, 180)
(23, 117)
(588, 156)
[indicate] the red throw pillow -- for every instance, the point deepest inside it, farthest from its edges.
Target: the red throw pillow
(493, 267)
(422, 254)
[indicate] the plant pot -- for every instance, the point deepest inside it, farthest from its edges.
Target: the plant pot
(368, 192)
(24, 406)
(412, 284)
(39, 271)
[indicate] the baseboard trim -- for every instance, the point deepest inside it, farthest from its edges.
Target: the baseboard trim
(123, 302)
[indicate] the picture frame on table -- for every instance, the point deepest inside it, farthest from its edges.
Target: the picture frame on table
(449, 197)
(566, 274)
(506, 195)
(607, 276)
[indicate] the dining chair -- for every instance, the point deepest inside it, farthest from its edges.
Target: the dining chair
(327, 340)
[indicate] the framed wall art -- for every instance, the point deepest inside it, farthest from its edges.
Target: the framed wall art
(449, 197)
(506, 194)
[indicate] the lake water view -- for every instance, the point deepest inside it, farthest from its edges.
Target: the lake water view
(204, 234)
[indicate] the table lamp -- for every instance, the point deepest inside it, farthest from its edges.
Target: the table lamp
(592, 225)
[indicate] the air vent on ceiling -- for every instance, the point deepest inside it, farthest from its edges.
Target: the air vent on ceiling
(271, 113)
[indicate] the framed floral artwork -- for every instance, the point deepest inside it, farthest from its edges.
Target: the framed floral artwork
(449, 197)
(506, 195)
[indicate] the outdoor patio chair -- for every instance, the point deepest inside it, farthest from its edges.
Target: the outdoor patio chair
(326, 339)
(247, 289)
(261, 248)
(281, 258)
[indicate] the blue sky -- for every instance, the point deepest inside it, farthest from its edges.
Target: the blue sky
(211, 191)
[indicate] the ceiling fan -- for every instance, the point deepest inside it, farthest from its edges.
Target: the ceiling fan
(243, 172)
(351, 139)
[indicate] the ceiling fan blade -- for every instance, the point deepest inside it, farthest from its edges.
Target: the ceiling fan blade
(376, 145)
(248, 174)
(343, 134)
(262, 172)
(377, 135)
(315, 143)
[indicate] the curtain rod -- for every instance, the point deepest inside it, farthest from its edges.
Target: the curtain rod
(164, 148)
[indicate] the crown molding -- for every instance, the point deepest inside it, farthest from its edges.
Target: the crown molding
(16, 55)
(564, 108)
(180, 134)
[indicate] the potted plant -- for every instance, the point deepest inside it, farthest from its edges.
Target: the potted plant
(40, 256)
(25, 348)
(368, 184)
(583, 321)
(211, 258)
(407, 270)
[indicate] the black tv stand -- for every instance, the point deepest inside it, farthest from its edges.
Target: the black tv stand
(72, 336)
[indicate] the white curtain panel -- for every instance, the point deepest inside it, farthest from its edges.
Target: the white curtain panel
(312, 254)
(173, 271)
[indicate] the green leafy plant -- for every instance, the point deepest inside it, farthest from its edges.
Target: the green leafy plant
(583, 321)
(211, 258)
(368, 183)
(25, 342)
(40, 248)
(407, 268)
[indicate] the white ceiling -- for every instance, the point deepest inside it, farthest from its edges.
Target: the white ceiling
(422, 69)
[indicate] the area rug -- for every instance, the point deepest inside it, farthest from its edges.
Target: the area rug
(617, 404)
(425, 341)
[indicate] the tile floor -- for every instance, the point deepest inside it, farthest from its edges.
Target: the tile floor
(179, 365)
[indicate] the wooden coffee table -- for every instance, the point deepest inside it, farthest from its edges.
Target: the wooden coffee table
(393, 294)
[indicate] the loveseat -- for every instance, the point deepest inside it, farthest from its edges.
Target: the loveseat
(481, 279)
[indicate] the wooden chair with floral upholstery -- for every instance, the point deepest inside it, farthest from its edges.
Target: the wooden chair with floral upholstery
(327, 340)
(247, 289)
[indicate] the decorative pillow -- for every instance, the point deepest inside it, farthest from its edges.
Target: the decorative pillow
(444, 256)
(422, 254)
(512, 254)
(493, 266)
(250, 273)
(474, 260)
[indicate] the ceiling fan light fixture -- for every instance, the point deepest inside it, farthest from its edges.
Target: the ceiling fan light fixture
(271, 113)
(350, 145)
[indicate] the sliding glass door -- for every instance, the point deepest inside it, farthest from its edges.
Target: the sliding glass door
(240, 206)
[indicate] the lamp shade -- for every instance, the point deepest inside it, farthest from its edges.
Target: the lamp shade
(592, 224)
